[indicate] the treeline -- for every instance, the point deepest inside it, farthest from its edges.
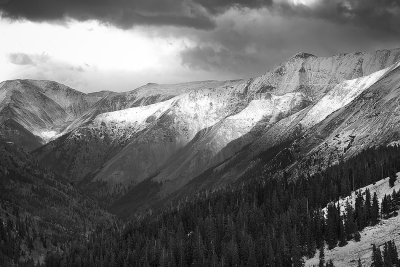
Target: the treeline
(264, 222)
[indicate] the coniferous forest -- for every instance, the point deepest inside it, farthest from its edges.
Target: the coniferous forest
(261, 222)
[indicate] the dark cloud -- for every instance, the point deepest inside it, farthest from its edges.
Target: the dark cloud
(219, 6)
(227, 39)
(379, 14)
(20, 59)
(247, 43)
(211, 59)
(120, 13)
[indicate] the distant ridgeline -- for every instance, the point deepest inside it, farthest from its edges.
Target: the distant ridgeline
(262, 222)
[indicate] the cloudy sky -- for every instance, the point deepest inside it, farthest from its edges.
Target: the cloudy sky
(118, 45)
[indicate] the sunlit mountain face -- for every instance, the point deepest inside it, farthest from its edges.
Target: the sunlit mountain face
(199, 133)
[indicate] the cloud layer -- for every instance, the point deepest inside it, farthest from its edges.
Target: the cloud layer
(381, 14)
(211, 39)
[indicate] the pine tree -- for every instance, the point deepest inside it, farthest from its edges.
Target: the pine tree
(350, 225)
(360, 211)
(297, 259)
(321, 256)
(270, 254)
(387, 256)
(331, 226)
(375, 210)
(252, 261)
(394, 253)
(357, 236)
(376, 257)
(330, 264)
(368, 206)
(342, 234)
(392, 178)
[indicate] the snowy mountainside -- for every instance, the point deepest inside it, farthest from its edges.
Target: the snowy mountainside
(315, 76)
(371, 119)
(148, 94)
(227, 159)
(298, 143)
(221, 127)
(385, 230)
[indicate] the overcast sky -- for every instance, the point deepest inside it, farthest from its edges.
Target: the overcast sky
(118, 45)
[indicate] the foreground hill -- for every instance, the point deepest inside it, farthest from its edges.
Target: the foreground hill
(386, 230)
(41, 211)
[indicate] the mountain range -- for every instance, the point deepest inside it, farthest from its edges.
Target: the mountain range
(142, 148)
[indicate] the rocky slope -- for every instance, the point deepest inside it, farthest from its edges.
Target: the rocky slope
(37, 111)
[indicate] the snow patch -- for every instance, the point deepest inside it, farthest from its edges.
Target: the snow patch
(47, 135)
(394, 143)
(341, 95)
(136, 115)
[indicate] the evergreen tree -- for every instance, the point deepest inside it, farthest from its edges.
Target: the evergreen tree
(387, 256)
(394, 253)
(392, 178)
(321, 256)
(330, 264)
(297, 259)
(342, 233)
(368, 206)
(331, 226)
(350, 225)
(357, 236)
(375, 210)
(376, 257)
(360, 211)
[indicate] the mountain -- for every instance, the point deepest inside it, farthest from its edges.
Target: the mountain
(99, 139)
(33, 112)
(174, 140)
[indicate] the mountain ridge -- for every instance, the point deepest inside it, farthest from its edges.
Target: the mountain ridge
(170, 135)
(206, 128)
